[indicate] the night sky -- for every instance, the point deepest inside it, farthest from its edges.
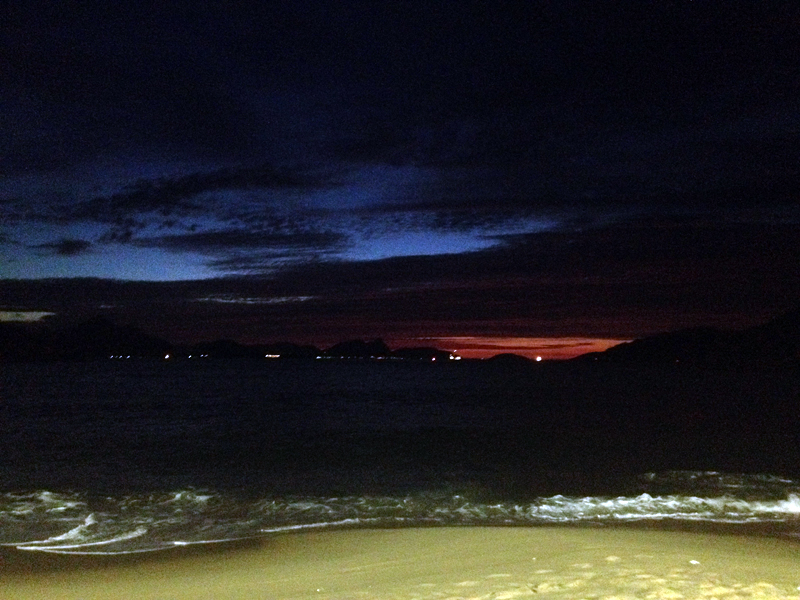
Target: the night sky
(456, 174)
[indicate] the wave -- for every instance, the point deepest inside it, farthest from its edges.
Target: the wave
(78, 523)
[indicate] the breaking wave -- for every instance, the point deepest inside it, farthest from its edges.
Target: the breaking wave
(74, 523)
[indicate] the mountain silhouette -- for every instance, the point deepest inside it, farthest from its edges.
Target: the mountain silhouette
(96, 338)
(773, 344)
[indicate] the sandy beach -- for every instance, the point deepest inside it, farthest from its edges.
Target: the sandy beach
(485, 563)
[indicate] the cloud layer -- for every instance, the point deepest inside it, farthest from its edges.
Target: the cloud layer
(504, 169)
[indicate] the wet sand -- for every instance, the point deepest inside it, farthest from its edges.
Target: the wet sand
(486, 563)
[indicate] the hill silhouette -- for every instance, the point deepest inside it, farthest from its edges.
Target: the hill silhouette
(773, 344)
(96, 338)
(100, 338)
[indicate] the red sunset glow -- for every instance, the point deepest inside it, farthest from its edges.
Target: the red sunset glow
(558, 348)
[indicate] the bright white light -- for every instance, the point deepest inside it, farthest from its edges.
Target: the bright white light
(538, 359)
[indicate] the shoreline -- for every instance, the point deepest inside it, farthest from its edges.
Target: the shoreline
(440, 562)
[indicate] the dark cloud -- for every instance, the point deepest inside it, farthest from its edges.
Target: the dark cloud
(214, 241)
(521, 105)
(180, 195)
(247, 251)
(174, 202)
(620, 282)
(112, 79)
(646, 154)
(526, 74)
(66, 247)
(398, 82)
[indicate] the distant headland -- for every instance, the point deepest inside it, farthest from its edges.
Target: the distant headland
(102, 339)
(775, 344)
(772, 344)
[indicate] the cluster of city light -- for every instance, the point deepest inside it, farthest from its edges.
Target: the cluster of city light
(433, 358)
(127, 356)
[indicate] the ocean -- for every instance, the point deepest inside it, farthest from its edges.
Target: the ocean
(128, 456)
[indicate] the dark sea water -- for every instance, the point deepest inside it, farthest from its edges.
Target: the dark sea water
(127, 456)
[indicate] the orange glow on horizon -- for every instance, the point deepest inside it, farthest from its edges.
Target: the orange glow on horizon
(550, 348)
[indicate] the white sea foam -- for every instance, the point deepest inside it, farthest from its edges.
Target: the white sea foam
(48, 546)
(50, 522)
(41, 501)
(340, 523)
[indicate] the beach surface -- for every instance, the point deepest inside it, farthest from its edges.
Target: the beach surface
(475, 562)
